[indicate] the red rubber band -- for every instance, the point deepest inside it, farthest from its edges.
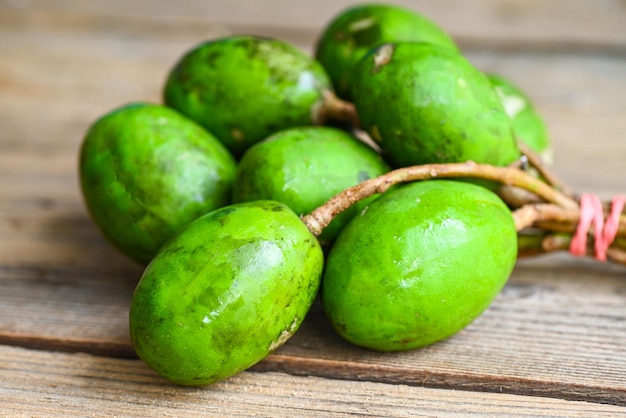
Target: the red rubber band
(611, 225)
(591, 213)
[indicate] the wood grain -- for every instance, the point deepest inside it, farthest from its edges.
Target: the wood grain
(557, 330)
(580, 94)
(83, 385)
(600, 22)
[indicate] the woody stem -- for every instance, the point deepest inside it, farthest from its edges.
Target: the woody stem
(319, 218)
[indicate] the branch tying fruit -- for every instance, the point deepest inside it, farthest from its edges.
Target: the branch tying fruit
(321, 217)
(556, 214)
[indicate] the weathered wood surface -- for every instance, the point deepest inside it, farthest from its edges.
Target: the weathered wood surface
(84, 385)
(598, 22)
(557, 330)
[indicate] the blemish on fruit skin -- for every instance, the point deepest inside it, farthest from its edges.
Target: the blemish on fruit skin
(513, 105)
(318, 114)
(237, 134)
(362, 176)
(382, 57)
(284, 335)
(362, 24)
(375, 134)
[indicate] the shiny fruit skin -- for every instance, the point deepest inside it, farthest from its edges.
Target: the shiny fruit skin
(244, 88)
(421, 263)
(225, 292)
(146, 171)
(425, 104)
(358, 29)
(304, 167)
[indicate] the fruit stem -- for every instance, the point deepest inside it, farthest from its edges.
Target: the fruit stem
(319, 218)
(340, 110)
(542, 242)
(554, 217)
(551, 215)
(550, 177)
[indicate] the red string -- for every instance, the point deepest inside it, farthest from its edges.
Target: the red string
(591, 213)
(611, 225)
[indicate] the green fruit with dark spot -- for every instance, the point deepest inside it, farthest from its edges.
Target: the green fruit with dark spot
(421, 263)
(304, 167)
(426, 104)
(146, 171)
(528, 125)
(229, 289)
(244, 88)
(358, 29)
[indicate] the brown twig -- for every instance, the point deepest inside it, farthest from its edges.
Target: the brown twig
(554, 218)
(543, 242)
(516, 197)
(544, 171)
(556, 227)
(339, 110)
(532, 214)
(317, 220)
(552, 213)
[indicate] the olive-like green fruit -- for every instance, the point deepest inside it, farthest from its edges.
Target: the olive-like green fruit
(229, 289)
(421, 263)
(146, 171)
(528, 124)
(304, 167)
(426, 104)
(358, 29)
(244, 88)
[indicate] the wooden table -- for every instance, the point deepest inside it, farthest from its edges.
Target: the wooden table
(552, 344)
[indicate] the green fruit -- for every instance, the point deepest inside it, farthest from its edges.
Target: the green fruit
(304, 167)
(146, 171)
(426, 104)
(244, 88)
(528, 125)
(358, 29)
(229, 289)
(421, 263)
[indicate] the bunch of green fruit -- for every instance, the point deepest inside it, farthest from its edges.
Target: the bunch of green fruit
(210, 191)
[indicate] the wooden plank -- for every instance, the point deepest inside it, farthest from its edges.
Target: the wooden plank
(561, 21)
(582, 97)
(36, 383)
